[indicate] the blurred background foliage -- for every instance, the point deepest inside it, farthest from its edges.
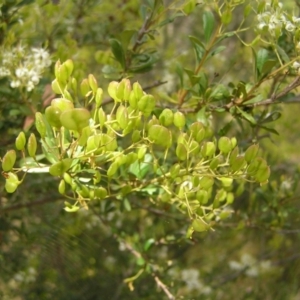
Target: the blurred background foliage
(46, 253)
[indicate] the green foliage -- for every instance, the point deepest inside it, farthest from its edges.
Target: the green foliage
(153, 135)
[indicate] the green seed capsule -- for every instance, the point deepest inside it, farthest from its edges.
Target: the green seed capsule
(62, 103)
(113, 168)
(136, 136)
(75, 119)
(181, 152)
(112, 90)
(56, 87)
(67, 178)
(62, 187)
(9, 160)
(32, 145)
(146, 104)
(59, 168)
(93, 83)
(141, 152)
(100, 193)
(20, 141)
(251, 153)
(40, 124)
(138, 91)
(179, 120)
(160, 135)
(238, 163)
(122, 116)
(206, 183)
(99, 97)
(53, 116)
(166, 117)
(69, 67)
(224, 144)
(12, 182)
(210, 149)
(85, 88)
(199, 225)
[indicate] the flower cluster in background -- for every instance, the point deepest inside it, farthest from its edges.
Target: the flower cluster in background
(23, 66)
(274, 20)
(250, 265)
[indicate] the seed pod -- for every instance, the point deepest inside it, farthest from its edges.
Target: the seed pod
(100, 193)
(224, 144)
(210, 149)
(160, 135)
(62, 103)
(113, 168)
(214, 163)
(109, 142)
(132, 100)
(138, 91)
(251, 153)
(233, 155)
(62, 187)
(97, 177)
(56, 68)
(181, 152)
(112, 90)
(53, 116)
(9, 160)
(67, 178)
(32, 145)
(56, 87)
(202, 196)
(102, 117)
(197, 130)
(12, 182)
(93, 83)
(179, 120)
(122, 116)
(199, 225)
(69, 67)
(229, 198)
(262, 175)
(226, 181)
(83, 191)
(193, 148)
(127, 89)
(99, 97)
(152, 122)
(62, 75)
(166, 117)
(233, 142)
(221, 195)
(141, 152)
(75, 119)
(136, 136)
(146, 104)
(174, 171)
(238, 163)
(206, 183)
(131, 158)
(59, 168)
(85, 88)
(40, 124)
(85, 134)
(20, 141)
(74, 85)
(120, 90)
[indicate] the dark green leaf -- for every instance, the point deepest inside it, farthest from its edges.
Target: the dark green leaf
(118, 51)
(246, 116)
(208, 25)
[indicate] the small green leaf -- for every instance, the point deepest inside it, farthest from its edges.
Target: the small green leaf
(208, 25)
(118, 51)
(246, 116)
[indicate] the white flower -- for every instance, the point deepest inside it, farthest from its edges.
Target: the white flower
(289, 26)
(296, 65)
(4, 72)
(296, 20)
(15, 83)
(30, 86)
(21, 72)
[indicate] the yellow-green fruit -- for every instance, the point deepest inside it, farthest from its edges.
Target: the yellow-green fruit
(179, 120)
(62, 187)
(20, 141)
(166, 117)
(100, 193)
(199, 225)
(59, 168)
(53, 116)
(62, 103)
(40, 124)
(32, 145)
(75, 119)
(181, 152)
(251, 153)
(12, 182)
(160, 135)
(224, 144)
(9, 160)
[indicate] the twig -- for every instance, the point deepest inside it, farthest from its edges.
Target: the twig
(163, 287)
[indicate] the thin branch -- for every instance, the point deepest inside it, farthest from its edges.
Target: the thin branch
(163, 287)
